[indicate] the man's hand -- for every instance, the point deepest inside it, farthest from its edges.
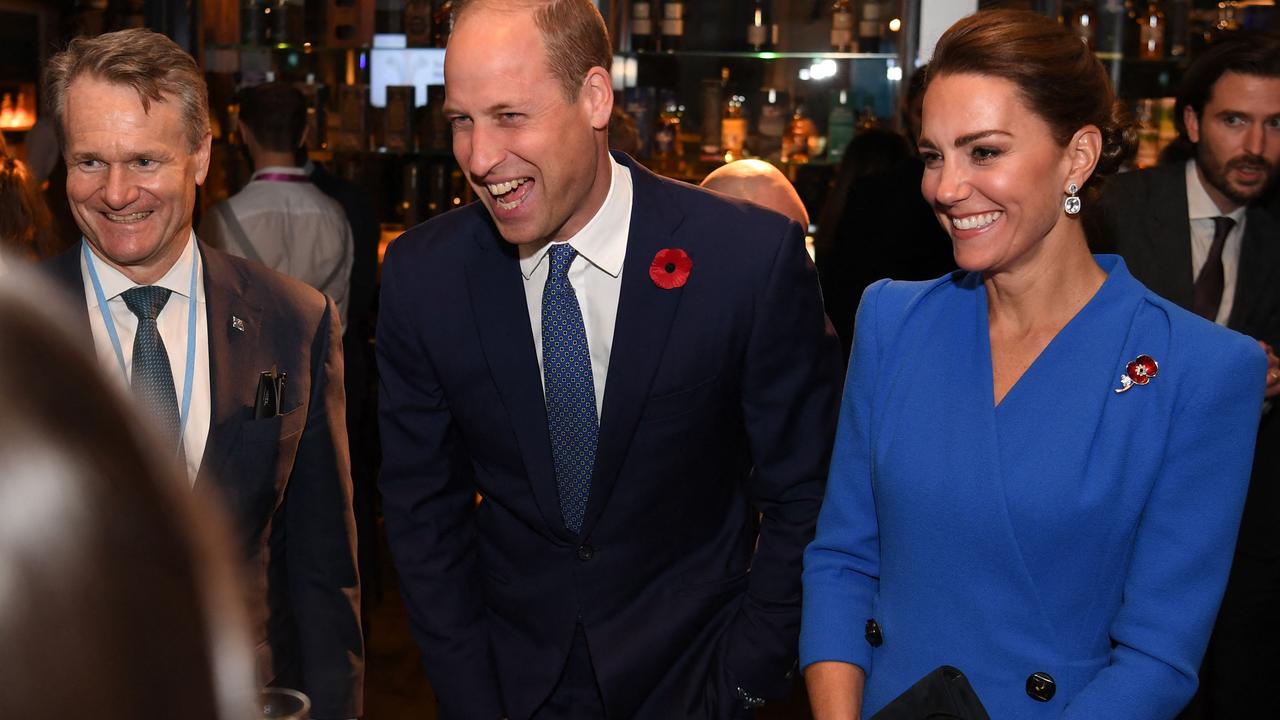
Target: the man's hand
(1273, 371)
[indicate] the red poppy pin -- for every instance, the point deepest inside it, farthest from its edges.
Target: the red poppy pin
(670, 268)
(1139, 371)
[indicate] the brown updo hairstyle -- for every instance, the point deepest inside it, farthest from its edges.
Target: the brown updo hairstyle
(1059, 78)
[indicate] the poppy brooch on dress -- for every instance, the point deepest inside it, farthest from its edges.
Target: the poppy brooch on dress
(1139, 371)
(670, 268)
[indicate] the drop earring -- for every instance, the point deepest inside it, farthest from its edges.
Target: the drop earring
(1072, 204)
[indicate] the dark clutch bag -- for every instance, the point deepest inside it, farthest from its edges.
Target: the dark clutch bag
(944, 694)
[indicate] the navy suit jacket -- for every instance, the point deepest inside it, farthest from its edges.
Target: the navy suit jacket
(285, 481)
(718, 417)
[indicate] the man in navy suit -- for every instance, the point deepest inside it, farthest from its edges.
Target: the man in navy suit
(191, 331)
(637, 378)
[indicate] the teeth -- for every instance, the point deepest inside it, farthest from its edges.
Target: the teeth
(131, 217)
(974, 222)
(503, 188)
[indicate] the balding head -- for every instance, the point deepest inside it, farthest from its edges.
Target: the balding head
(761, 183)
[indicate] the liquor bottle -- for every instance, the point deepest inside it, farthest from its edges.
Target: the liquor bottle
(762, 32)
(713, 94)
(388, 17)
(1148, 134)
(289, 22)
(642, 25)
(1110, 23)
(1178, 36)
(800, 132)
(252, 25)
(1151, 33)
(842, 26)
(441, 23)
(666, 139)
(672, 24)
(869, 26)
(417, 23)
(1084, 22)
(839, 127)
(772, 125)
(733, 129)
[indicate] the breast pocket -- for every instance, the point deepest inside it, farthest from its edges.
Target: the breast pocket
(254, 432)
(673, 404)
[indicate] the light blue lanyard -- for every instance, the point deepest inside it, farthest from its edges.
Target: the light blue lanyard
(115, 337)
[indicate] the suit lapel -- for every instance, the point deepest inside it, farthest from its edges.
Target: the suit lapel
(1256, 269)
(1169, 236)
(645, 314)
(502, 320)
(64, 269)
(231, 380)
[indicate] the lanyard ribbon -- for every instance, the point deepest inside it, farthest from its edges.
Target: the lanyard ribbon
(185, 409)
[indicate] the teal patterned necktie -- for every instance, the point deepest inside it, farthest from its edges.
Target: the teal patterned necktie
(152, 378)
(571, 395)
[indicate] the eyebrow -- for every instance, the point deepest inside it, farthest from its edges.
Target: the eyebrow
(964, 139)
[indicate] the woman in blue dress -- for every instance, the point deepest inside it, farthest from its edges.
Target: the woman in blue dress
(1040, 465)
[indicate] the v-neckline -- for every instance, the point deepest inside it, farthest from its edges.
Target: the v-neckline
(984, 330)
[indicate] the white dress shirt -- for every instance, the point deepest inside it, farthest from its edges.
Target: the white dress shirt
(295, 229)
(596, 276)
(1201, 210)
(173, 324)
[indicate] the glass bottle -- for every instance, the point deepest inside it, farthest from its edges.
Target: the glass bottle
(733, 129)
(841, 26)
(1084, 22)
(666, 139)
(642, 25)
(870, 26)
(762, 32)
(1151, 33)
(672, 24)
(800, 131)
(839, 127)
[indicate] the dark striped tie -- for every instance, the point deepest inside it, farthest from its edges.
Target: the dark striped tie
(151, 378)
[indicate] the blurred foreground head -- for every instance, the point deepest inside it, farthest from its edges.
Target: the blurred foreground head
(760, 183)
(117, 598)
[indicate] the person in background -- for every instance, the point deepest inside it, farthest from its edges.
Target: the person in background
(25, 224)
(875, 224)
(761, 183)
(1040, 464)
(237, 368)
(118, 596)
(1197, 233)
(636, 376)
(360, 376)
(281, 219)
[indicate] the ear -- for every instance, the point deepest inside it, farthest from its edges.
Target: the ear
(596, 97)
(1083, 152)
(201, 156)
(1191, 122)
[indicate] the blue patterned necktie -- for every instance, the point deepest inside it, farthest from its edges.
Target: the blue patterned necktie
(571, 394)
(151, 378)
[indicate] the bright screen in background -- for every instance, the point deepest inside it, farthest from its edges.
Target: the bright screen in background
(391, 63)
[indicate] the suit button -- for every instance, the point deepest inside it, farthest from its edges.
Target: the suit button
(875, 637)
(586, 552)
(1040, 686)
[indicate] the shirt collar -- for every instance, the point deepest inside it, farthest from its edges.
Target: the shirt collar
(114, 282)
(598, 241)
(1199, 205)
(278, 170)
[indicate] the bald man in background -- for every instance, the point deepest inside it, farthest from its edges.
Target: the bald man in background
(761, 183)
